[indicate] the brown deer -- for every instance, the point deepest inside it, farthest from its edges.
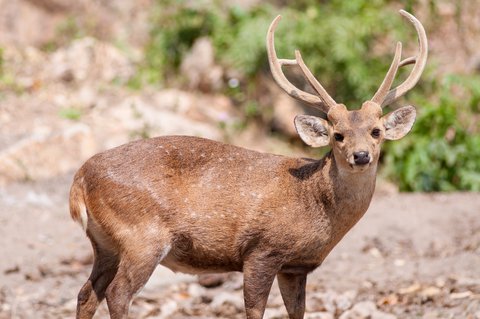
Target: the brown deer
(198, 206)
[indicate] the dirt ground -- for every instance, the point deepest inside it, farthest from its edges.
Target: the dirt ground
(411, 256)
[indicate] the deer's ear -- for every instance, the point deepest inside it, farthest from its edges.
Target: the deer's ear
(399, 122)
(312, 130)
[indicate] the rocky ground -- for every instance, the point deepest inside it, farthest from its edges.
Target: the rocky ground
(411, 256)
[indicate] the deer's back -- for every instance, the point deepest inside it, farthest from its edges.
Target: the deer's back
(182, 162)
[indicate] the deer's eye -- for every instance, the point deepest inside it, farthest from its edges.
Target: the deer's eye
(376, 133)
(338, 137)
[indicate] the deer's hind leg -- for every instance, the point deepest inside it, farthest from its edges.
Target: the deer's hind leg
(105, 266)
(135, 268)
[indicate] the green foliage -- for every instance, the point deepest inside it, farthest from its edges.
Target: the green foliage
(7, 79)
(71, 113)
(442, 153)
(66, 31)
(175, 27)
(336, 39)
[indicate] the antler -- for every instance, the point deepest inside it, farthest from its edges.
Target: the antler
(384, 88)
(323, 101)
(384, 95)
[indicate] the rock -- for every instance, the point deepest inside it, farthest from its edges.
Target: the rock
(361, 310)
(212, 280)
(88, 59)
(365, 310)
(222, 298)
(461, 295)
(167, 309)
(430, 315)
(15, 30)
(69, 304)
(275, 313)
(413, 288)
(430, 292)
(345, 300)
(284, 111)
(323, 301)
(139, 119)
(382, 315)
(167, 113)
(46, 154)
(318, 315)
(213, 109)
(195, 290)
(234, 282)
(199, 67)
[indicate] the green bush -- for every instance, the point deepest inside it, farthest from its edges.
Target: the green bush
(338, 40)
(442, 153)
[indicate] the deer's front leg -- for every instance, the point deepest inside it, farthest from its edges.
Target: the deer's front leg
(292, 288)
(258, 276)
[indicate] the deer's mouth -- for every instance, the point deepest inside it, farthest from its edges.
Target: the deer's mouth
(360, 167)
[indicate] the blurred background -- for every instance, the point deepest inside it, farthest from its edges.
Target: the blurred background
(80, 77)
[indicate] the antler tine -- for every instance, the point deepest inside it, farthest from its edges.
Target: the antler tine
(407, 61)
(326, 98)
(420, 61)
(384, 88)
(277, 73)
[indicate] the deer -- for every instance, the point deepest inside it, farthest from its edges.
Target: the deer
(199, 206)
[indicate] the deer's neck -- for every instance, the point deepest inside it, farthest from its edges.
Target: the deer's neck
(344, 193)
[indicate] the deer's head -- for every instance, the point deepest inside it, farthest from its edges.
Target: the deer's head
(355, 136)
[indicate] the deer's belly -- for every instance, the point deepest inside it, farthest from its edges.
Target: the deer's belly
(194, 268)
(191, 257)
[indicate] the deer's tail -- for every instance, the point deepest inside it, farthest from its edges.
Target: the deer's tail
(78, 209)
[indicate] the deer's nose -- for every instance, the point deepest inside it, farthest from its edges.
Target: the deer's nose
(361, 158)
